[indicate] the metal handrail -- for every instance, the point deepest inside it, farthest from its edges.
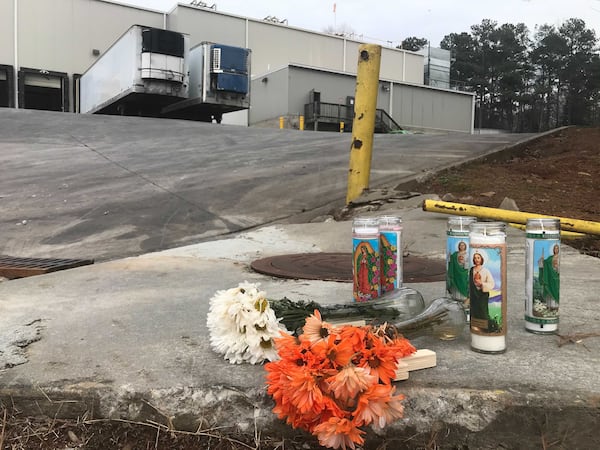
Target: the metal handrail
(334, 112)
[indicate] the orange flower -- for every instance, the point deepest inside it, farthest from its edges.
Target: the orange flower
(355, 335)
(334, 352)
(378, 407)
(402, 347)
(381, 361)
(332, 381)
(315, 329)
(338, 433)
(350, 381)
(305, 392)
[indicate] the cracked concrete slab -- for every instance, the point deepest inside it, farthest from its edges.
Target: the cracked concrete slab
(15, 340)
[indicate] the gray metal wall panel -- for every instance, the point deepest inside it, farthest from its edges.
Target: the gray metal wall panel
(269, 99)
(411, 106)
(426, 108)
(333, 87)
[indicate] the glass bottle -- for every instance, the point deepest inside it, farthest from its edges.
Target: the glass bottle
(392, 307)
(444, 318)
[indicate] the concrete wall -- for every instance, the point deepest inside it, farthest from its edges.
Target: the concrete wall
(411, 106)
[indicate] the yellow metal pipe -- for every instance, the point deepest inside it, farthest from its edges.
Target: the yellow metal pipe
(301, 124)
(563, 234)
(504, 215)
(281, 122)
(363, 124)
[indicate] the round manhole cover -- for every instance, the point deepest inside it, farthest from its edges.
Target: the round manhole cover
(338, 267)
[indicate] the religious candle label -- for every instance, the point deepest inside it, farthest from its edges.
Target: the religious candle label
(457, 265)
(390, 234)
(366, 263)
(542, 282)
(487, 289)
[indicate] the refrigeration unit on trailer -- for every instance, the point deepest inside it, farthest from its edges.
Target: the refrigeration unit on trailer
(219, 83)
(141, 73)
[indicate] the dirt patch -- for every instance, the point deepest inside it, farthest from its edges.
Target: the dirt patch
(555, 175)
(42, 433)
(522, 428)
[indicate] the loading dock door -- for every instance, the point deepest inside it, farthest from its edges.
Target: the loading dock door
(6, 86)
(43, 90)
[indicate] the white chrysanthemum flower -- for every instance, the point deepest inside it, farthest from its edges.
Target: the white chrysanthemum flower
(242, 325)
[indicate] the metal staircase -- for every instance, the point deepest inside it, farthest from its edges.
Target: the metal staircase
(323, 116)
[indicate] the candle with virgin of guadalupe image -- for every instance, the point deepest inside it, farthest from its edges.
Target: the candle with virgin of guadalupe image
(390, 239)
(365, 259)
(487, 286)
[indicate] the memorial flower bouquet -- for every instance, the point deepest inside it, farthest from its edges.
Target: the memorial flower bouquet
(334, 381)
(243, 323)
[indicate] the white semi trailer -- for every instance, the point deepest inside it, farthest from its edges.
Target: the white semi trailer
(219, 83)
(141, 73)
(152, 72)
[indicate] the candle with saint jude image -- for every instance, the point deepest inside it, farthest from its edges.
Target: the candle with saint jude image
(487, 286)
(542, 282)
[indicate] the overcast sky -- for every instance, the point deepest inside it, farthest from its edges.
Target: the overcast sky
(387, 22)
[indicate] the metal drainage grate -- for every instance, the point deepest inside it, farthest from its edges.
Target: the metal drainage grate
(338, 267)
(13, 267)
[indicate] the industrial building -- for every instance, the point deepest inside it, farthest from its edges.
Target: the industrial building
(47, 46)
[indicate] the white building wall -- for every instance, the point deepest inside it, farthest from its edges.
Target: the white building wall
(7, 55)
(59, 35)
(276, 45)
(207, 25)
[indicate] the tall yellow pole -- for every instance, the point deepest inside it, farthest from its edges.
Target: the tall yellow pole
(504, 215)
(363, 125)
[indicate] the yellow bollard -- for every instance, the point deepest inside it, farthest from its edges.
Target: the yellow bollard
(504, 215)
(281, 122)
(363, 125)
(341, 127)
(301, 123)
